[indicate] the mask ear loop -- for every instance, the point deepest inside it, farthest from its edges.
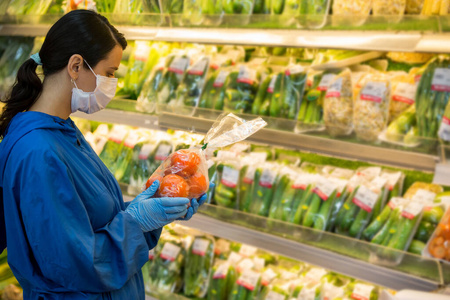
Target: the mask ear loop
(74, 83)
(89, 67)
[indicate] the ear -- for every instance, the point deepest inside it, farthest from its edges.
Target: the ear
(74, 66)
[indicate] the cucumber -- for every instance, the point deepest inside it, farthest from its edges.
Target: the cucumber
(416, 247)
(297, 218)
(383, 233)
(312, 211)
(424, 231)
(322, 217)
(377, 224)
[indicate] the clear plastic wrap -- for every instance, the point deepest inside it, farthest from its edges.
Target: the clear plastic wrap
(348, 7)
(221, 281)
(226, 192)
(146, 100)
(414, 7)
(403, 93)
(389, 7)
(264, 186)
(247, 176)
(439, 246)
(238, 7)
(184, 173)
(371, 111)
(241, 88)
(338, 106)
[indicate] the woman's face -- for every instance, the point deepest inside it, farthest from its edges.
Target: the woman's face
(106, 67)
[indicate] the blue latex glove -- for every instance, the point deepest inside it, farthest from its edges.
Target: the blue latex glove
(195, 204)
(154, 213)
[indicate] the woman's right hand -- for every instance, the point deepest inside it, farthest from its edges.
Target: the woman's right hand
(154, 213)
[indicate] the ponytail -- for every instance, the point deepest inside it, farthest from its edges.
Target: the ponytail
(24, 93)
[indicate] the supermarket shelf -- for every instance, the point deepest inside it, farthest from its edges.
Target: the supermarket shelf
(313, 143)
(341, 39)
(353, 267)
(147, 297)
(121, 117)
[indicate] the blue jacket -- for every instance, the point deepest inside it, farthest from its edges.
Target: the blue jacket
(67, 233)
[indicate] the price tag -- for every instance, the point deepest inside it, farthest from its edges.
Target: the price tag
(412, 209)
(163, 152)
(131, 140)
(330, 291)
(286, 275)
(340, 184)
(248, 279)
(335, 88)
(392, 178)
(246, 75)
(325, 82)
(234, 258)
(225, 155)
(272, 84)
(268, 276)
(441, 80)
(342, 173)
(294, 70)
(301, 182)
(199, 67)
(362, 291)
(314, 275)
(142, 51)
(179, 65)
(423, 196)
(378, 183)
(151, 254)
(405, 92)
(222, 246)
(247, 250)
(307, 294)
(146, 150)
(259, 263)
(249, 175)
(275, 296)
(370, 173)
(221, 271)
(395, 202)
(267, 178)
(230, 177)
(444, 129)
(220, 79)
(170, 251)
(117, 134)
(324, 188)
(200, 246)
(365, 198)
(374, 91)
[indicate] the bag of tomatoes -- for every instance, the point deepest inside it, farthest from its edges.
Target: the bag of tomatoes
(184, 173)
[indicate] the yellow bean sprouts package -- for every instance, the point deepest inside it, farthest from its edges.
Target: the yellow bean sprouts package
(389, 7)
(338, 105)
(403, 93)
(352, 7)
(414, 7)
(371, 110)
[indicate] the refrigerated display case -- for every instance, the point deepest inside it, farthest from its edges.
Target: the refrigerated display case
(341, 254)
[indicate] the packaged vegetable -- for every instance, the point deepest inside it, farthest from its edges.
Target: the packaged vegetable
(338, 105)
(371, 110)
(226, 191)
(140, 167)
(357, 7)
(172, 6)
(238, 7)
(198, 266)
(416, 188)
(146, 100)
(304, 184)
(264, 186)
(438, 245)
(414, 7)
(388, 7)
(221, 281)
(246, 286)
(124, 159)
(359, 290)
(399, 131)
(277, 290)
(21, 7)
(444, 128)
(403, 93)
(247, 177)
(241, 87)
(184, 173)
(113, 146)
(432, 96)
(214, 93)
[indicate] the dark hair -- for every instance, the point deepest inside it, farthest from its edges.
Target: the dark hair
(82, 32)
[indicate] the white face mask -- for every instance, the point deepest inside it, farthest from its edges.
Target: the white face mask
(91, 102)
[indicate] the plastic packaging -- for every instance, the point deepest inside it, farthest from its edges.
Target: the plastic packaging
(236, 7)
(247, 177)
(214, 92)
(184, 173)
(361, 290)
(222, 279)
(172, 6)
(198, 267)
(432, 96)
(124, 159)
(264, 186)
(113, 146)
(403, 93)
(246, 286)
(146, 100)
(346, 7)
(438, 245)
(304, 183)
(389, 7)
(241, 88)
(444, 128)
(414, 7)
(371, 110)
(403, 129)
(226, 191)
(338, 106)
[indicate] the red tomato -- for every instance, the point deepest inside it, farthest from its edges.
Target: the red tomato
(184, 163)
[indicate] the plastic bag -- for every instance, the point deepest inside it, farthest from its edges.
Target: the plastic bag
(113, 146)
(371, 111)
(241, 87)
(198, 266)
(444, 128)
(124, 160)
(172, 6)
(414, 6)
(348, 7)
(236, 7)
(246, 286)
(184, 173)
(389, 7)
(438, 245)
(304, 184)
(264, 186)
(403, 93)
(282, 203)
(226, 192)
(338, 106)
(247, 176)
(147, 98)
(221, 281)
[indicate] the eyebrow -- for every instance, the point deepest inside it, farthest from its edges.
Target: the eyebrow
(114, 68)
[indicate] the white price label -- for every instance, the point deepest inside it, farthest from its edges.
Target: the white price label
(444, 129)
(335, 88)
(325, 82)
(369, 173)
(275, 296)
(286, 275)
(258, 156)
(248, 279)
(151, 254)
(246, 75)
(374, 91)
(267, 276)
(131, 140)
(163, 152)
(142, 51)
(395, 202)
(249, 175)
(412, 209)
(330, 291)
(405, 92)
(342, 173)
(247, 250)
(378, 183)
(199, 67)
(234, 258)
(423, 196)
(441, 80)
(314, 275)
(362, 291)
(170, 251)
(272, 84)
(200, 246)
(267, 178)
(230, 177)
(220, 79)
(146, 150)
(324, 188)
(301, 182)
(294, 70)
(340, 184)
(392, 178)
(221, 271)
(365, 198)
(225, 155)
(179, 65)
(117, 134)
(259, 263)
(307, 294)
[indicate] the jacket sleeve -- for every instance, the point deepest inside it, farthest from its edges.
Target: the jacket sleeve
(67, 250)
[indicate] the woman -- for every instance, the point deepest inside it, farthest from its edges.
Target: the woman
(69, 233)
